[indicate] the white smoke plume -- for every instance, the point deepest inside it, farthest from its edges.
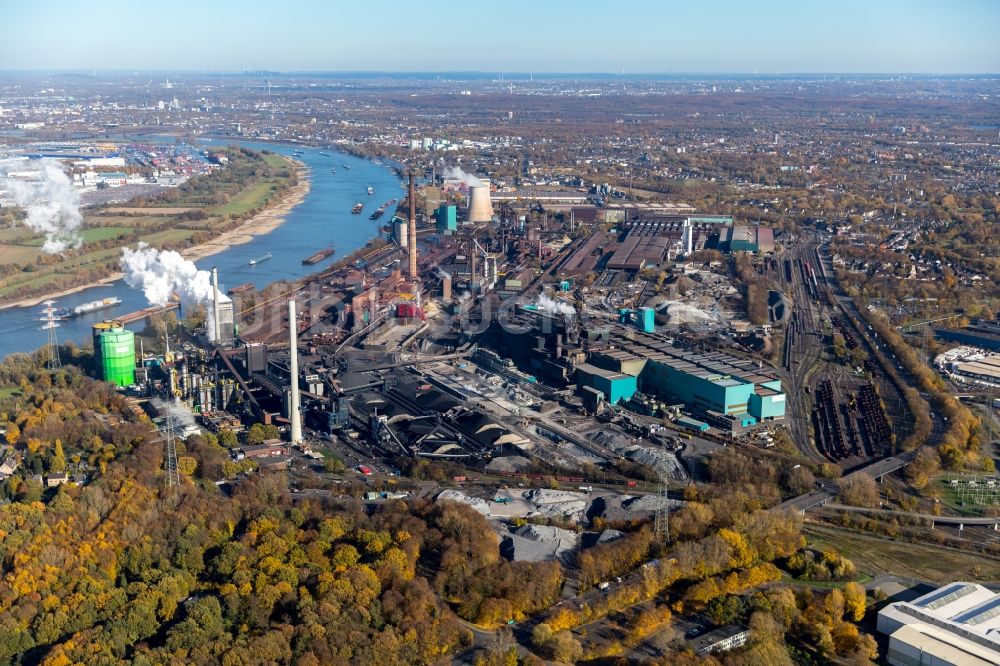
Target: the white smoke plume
(456, 173)
(555, 306)
(160, 275)
(48, 197)
(183, 417)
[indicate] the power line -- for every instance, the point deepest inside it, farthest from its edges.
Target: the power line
(173, 477)
(661, 521)
(52, 346)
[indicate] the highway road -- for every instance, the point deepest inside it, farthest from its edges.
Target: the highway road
(944, 520)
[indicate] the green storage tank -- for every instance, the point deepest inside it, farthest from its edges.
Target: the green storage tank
(117, 356)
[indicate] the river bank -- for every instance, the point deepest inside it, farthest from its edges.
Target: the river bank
(322, 220)
(263, 222)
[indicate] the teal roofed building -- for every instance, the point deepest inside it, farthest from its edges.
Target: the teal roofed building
(446, 217)
(717, 383)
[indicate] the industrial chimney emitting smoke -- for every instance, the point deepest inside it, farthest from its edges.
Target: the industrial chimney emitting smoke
(480, 208)
(294, 415)
(412, 232)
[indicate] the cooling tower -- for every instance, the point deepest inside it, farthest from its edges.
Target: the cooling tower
(480, 209)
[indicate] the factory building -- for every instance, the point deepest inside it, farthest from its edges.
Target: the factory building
(983, 334)
(650, 237)
(226, 332)
(956, 625)
(724, 388)
(644, 318)
(742, 238)
(220, 320)
(617, 387)
(446, 217)
(727, 391)
(978, 369)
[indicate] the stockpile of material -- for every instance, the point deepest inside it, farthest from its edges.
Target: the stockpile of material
(535, 543)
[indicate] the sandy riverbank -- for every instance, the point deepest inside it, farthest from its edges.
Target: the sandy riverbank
(263, 222)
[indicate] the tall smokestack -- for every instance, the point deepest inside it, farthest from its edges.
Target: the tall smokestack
(294, 415)
(217, 327)
(412, 232)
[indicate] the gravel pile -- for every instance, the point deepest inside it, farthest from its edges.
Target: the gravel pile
(650, 503)
(480, 505)
(651, 457)
(508, 464)
(609, 535)
(536, 543)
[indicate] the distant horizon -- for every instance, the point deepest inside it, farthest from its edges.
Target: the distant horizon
(643, 37)
(52, 71)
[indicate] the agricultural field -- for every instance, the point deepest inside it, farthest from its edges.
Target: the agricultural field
(167, 236)
(248, 199)
(149, 210)
(91, 235)
(132, 220)
(17, 254)
(14, 234)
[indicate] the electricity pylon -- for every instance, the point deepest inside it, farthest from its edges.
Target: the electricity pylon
(661, 522)
(173, 477)
(52, 346)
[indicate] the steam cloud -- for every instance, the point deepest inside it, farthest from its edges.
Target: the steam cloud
(161, 274)
(549, 304)
(182, 415)
(49, 199)
(456, 173)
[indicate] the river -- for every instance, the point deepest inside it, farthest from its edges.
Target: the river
(322, 219)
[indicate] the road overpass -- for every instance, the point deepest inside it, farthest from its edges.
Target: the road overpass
(827, 491)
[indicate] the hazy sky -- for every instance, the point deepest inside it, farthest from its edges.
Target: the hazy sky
(941, 36)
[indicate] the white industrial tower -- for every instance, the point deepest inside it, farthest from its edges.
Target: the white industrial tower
(52, 347)
(217, 327)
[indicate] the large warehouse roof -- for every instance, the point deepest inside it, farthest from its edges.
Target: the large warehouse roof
(958, 624)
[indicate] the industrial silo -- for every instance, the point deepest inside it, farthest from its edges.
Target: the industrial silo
(400, 231)
(117, 356)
